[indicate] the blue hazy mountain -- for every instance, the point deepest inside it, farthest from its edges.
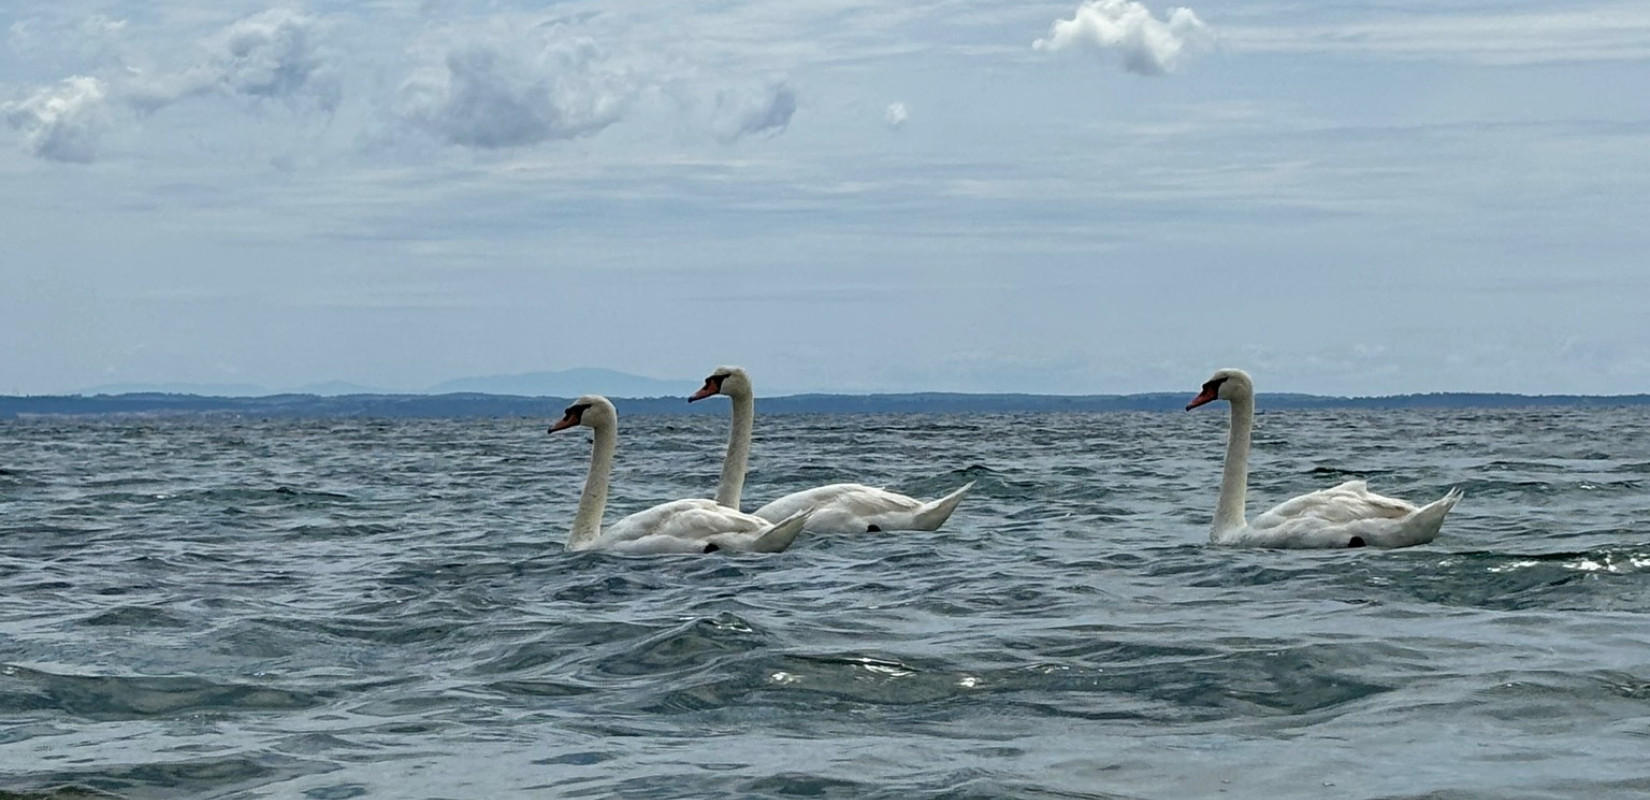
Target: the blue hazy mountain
(569, 383)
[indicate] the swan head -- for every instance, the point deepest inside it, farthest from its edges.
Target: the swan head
(591, 411)
(1225, 384)
(731, 381)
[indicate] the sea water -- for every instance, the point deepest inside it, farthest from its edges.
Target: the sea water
(236, 608)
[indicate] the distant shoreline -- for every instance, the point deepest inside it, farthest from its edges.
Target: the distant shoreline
(495, 405)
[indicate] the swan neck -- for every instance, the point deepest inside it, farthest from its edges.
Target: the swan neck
(739, 452)
(1230, 511)
(587, 524)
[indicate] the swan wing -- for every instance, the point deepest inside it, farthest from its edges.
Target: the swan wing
(769, 538)
(857, 508)
(655, 544)
(694, 520)
(854, 499)
(1346, 503)
(775, 538)
(1348, 515)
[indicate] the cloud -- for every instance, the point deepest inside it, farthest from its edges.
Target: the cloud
(743, 112)
(272, 55)
(62, 122)
(100, 26)
(511, 91)
(896, 115)
(1147, 45)
(1612, 32)
(275, 54)
(62, 38)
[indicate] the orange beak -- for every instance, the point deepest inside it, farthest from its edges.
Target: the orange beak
(1206, 396)
(706, 391)
(564, 423)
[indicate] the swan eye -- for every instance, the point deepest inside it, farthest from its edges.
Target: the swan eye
(1213, 385)
(577, 411)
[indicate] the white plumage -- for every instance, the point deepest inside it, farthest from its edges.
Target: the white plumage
(836, 508)
(679, 526)
(857, 508)
(1348, 515)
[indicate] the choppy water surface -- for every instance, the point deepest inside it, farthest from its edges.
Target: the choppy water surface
(335, 609)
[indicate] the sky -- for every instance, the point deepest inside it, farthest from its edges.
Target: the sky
(1350, 197)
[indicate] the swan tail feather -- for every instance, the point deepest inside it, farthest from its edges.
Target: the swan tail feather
(779, 537)
(1424, 524)
(934, 514)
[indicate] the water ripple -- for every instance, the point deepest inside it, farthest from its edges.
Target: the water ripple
(236, 608)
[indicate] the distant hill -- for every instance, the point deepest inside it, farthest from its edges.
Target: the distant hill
(494, 405)
(569, 383)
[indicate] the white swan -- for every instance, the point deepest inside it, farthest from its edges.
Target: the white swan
(1348, 515)
(837, 508)
(682, 526)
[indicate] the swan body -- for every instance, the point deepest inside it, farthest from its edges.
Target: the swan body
(837, 508)
(1343, 516)
(680, 526)
(688, 526)
(1348, 515)
(857, 508)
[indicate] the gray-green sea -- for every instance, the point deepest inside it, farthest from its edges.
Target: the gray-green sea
(233, 608)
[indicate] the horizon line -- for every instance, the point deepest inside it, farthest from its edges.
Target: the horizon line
(813, 395)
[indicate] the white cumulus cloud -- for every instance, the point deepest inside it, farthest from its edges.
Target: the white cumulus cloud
(896, 115)
(743, 112)
(62, 122)
(1146, 44)
(497, 91)
(274, 54)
